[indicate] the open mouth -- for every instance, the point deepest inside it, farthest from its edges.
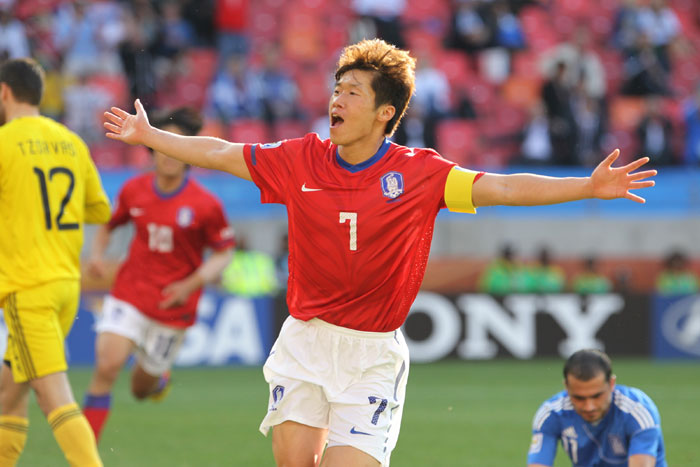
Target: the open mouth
(336, 121)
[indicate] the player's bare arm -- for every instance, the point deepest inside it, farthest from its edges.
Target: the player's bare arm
(177, 292)
(606, 182)
(95, 265)
(202, 151)
(641, 460)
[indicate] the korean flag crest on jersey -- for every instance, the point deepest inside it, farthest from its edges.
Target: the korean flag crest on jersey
(392, 184)
(184, 216)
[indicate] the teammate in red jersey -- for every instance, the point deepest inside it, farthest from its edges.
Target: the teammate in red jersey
(361, 213)
(156, 290)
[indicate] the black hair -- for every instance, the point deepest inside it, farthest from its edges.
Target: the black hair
(586, 364)
(186, 119)
(25, 78)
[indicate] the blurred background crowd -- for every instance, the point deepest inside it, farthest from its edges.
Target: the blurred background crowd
(500, 83)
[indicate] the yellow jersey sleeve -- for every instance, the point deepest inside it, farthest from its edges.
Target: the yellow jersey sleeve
(458, 190)
(97, 208)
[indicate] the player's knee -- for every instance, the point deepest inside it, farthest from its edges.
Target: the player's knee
(108, 370)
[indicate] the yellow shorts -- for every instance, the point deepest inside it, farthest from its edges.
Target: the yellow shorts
(38, 321)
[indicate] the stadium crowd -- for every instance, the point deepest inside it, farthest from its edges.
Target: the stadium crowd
(499, 81)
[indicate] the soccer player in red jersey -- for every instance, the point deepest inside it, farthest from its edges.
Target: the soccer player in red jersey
(361, 212)
(156, 290)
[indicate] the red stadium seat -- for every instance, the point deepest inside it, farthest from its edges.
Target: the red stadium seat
(249, 131)
(108, 154)
(201, 65)
(314, 90)
(419, 11)
(289, 129)
(458, 141)
(213, 127)
(302, 36)
(114, 85)
(455, 65)
(138, 157)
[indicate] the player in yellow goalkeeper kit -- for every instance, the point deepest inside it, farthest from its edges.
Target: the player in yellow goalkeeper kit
(49, 187)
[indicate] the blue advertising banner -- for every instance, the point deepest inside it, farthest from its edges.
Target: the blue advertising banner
(676, 327)
(229, 331)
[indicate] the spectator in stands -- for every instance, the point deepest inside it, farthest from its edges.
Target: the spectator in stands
(536, 146)
(379, 19)
(590, 280)
(250, 273)
(504, 275)
(176, 34)
(676, 277)
(469, 30)
(583, 65)
(655, 133)
(279, 93)
(83, 102)
(235, 92)
(556, 94)
(137, 50)
(644, 73)
(660, 23)
(590, 127)
(13, 36)
(544, 276)
(509, 32)
(432, 87)
(231, 20)
(87, 34)
(691, 115)
(625, 29)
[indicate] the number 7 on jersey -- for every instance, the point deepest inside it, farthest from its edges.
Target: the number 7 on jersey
(351, 217)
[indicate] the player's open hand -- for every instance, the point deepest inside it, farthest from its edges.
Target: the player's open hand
(610, 182)
(96, 268)
(176, 293)
(126, 127)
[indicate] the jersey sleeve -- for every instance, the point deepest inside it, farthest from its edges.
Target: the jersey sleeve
(645, 442)
(545, 434)
(97, 209)
(121, 214)
(218, 234)
(270, 166)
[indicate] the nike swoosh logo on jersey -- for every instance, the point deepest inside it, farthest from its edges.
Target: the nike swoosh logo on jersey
(135, 212)
(305, 189)
(353, 431)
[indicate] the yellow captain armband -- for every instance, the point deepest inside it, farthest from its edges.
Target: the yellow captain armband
(458, 190)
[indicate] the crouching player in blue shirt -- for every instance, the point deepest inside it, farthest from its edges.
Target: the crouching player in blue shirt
(599, 423)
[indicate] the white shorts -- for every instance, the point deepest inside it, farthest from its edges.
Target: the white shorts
(351, 382)
(156, 344)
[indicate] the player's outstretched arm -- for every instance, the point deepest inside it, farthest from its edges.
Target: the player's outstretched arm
(202, 151)
(606, 182)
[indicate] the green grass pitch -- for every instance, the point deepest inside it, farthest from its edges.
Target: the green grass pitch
(457, 414)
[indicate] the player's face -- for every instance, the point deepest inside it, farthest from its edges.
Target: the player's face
(166, 166)
(591, 399)
(352, 112)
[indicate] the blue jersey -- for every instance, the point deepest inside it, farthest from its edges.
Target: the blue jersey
(631, 426)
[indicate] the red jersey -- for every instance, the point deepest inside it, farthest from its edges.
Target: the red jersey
(359, 235)
(171, 232)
